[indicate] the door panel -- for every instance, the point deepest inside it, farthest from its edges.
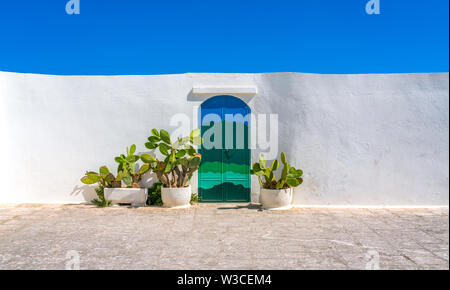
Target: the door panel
(237, 191)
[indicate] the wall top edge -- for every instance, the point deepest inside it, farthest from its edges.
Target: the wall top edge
(219, 74)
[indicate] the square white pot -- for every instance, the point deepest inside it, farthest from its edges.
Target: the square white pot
(133, 196)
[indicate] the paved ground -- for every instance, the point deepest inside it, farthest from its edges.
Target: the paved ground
(222, 237)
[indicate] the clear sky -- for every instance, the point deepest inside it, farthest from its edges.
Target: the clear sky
(178, 36)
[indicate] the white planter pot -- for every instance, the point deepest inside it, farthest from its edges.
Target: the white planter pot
(133, 196)
(276, 199)
(176, 197)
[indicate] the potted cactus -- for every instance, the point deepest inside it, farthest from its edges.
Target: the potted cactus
(127, 164)
(132, 193)
(180, 162)
(104, 179)
(276, 194)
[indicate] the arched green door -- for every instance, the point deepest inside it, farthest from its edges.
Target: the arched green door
(224, 174)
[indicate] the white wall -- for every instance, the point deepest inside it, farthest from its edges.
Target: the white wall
(360, 139)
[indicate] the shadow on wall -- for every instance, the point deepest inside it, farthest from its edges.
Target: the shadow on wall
(148, 179)
(87, 191)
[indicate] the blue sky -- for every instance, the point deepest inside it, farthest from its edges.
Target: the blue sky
(178, 36)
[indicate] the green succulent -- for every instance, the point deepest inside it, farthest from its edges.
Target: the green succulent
(103, 177)
(181, 159)
(290, 176)
(154, 194)
(127, 165)
(101, 201)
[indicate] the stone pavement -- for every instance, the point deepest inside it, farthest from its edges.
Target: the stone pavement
(222, 236)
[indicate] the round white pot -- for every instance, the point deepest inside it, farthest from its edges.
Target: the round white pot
(176, 197)
(276, 199)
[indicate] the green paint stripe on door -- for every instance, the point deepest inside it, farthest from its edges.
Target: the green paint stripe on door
(217, 167)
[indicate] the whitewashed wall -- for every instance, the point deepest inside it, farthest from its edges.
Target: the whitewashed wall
(360, 139)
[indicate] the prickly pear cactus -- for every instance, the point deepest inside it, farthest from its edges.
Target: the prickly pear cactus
(290, 176)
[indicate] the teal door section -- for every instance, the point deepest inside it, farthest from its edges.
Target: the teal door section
(224, 174)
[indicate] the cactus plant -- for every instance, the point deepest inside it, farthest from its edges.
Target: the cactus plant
(127, 166)
(101, 201)
(105, 178)
(290, 176)
(181, 159)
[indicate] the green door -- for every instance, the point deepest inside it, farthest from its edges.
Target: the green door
(224, 174)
